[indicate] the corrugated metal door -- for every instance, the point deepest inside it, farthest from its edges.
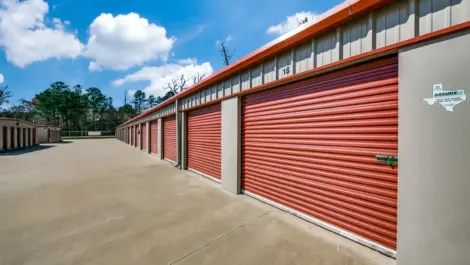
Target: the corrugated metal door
(311, 146)
(144, 136)
(129, 136)
(204, 140)
(169, 138)
(153, 137)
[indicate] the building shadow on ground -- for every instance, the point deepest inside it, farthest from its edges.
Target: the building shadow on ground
(65, 142)
(27, 150)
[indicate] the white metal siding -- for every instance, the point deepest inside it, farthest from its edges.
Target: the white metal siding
(220, 90)
(42, 135)
(227, 88)
(304, 58)
(245, 79)
(438, 14)
(357, 37)
(269, 71)
(395, 23)
(256, 76)
(327, 49)
(284, 65)
(236, 84)
(208, 92)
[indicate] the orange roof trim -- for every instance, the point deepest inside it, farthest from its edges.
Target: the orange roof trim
(18, 120)
(331, 18)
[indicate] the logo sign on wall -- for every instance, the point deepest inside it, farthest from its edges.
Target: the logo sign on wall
(448, 99)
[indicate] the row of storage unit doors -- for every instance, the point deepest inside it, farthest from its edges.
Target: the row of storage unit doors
(138, 137)
(311, 146)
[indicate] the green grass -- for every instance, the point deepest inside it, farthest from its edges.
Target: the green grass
(87, 137)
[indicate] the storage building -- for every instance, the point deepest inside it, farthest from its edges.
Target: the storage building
(48, 134)
(314, 122)
(16, 133)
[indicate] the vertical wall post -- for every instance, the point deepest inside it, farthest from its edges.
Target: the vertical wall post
(20, 131)
(26, 135)
(1, 138)
(231, 144)
(184, 140)
(178, 133)
(147, 127)
(160, 138)
(15, 137)
(9, 140)
(140, 136)
(433, 148)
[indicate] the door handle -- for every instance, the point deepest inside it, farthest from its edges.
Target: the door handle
(390, 160)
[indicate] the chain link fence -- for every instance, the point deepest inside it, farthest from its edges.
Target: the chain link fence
(86, 133)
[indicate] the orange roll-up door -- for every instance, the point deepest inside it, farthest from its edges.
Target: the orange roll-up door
(312, 145)
(169, 138)
(154, 137)
(204, 140)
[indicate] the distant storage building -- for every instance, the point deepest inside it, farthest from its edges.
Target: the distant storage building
(48, 134)
(314, 121)
(15, 134)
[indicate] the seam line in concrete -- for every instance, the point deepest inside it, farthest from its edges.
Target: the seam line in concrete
(220, 237)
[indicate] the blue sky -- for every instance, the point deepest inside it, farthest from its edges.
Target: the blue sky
(121, 46)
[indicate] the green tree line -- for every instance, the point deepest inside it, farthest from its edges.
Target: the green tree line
(76, 108)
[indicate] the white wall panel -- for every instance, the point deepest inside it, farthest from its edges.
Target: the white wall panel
(438, 14)
(245, 79)
(208, 92)
(304, 58)
(357, 37)
(213, 92)
(227, 87)
(269, 71)
(256, 76)
(284, 65)
(395, 23)
(202, 96)
(220, 90)
(236, 84)
(327, 49)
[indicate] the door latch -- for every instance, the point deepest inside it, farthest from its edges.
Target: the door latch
(387, 159)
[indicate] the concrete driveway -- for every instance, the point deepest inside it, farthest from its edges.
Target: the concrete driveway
(104, 202)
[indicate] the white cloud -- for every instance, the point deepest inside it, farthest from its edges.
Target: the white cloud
(227, 39)
(27, 39)
(58, 24)
(125, 41)
(292, 22)
(192, 33)
(187, 61)
(160, 76)
(2, 79)
(94, 67)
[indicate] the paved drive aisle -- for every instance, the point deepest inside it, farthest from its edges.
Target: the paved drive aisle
(103, 202)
